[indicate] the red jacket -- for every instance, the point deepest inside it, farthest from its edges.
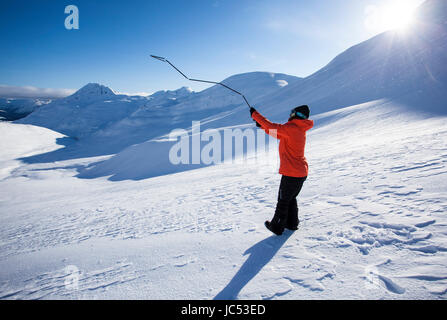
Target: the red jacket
(292, 140)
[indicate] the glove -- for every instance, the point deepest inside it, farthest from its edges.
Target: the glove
(252, 110)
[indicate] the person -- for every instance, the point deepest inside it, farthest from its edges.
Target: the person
(293, 165)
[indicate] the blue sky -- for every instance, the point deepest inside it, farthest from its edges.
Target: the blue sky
(208, 39)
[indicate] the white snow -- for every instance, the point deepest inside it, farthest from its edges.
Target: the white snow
(372, 212)
(94, 210)
(23, 141)
(282, 83)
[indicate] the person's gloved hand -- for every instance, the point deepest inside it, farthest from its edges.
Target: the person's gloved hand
(251, 114)
(252, 110)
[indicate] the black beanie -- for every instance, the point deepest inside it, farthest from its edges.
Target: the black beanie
(304, 109)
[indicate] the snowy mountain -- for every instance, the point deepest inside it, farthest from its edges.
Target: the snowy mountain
(96, 109)
(171, 94)
(102, 122)
(14, 108)
(83, 112)
(432, 12)
(90, 93)
(409, 66)
(108, 216)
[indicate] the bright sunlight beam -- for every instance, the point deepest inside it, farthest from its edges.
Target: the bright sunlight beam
(395, 14)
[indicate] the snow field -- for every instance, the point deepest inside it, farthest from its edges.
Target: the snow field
(372, 222)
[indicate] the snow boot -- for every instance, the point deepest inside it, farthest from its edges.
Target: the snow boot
(272, 228)
(293, 227)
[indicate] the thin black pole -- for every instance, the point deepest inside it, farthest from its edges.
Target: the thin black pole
(198, 80)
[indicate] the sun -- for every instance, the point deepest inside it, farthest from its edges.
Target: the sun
(393, 15)
(398, 15)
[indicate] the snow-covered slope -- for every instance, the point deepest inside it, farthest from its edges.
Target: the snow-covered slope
(163, 95)
(84, 112)
(95, 108)
(408, 69)
(23, 141)
(90, 93)
(372, 210)
(372, 222)
(13, 109)
(409, 66)
(102, 122)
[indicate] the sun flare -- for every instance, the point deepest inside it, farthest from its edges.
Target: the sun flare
(394, 15)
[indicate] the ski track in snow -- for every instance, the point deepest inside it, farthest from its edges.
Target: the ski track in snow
(372, 226)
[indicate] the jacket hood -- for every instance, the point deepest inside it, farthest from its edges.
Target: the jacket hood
(304, 124)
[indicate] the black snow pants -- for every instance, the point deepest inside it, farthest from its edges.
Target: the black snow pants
(286, 214)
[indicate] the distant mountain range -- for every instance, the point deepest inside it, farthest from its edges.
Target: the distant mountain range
(96, 111)
(13, 109)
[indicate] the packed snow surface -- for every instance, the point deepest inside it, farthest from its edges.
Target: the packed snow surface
(372, 221)
(91, 207)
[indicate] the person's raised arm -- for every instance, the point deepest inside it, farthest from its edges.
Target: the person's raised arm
(276, 130)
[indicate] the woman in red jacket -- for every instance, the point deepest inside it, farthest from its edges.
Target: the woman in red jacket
(293, 164)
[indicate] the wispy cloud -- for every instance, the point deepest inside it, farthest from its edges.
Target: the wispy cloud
(33, 92)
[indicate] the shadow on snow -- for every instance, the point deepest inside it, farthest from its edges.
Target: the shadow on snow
(259, 255)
